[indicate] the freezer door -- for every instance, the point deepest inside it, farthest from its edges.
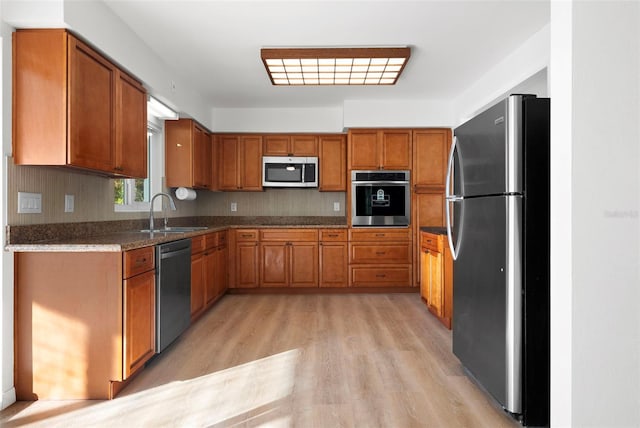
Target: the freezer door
(487, 295)
(489, 151)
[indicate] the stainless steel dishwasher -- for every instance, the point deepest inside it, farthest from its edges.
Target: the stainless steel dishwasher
(173, 291)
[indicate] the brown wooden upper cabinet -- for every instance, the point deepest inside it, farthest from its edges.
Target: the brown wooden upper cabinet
(73, 107)
(430, 156)
(333, 163)
(239, 162)
(188, 152)
(290, 145)
(371, 149)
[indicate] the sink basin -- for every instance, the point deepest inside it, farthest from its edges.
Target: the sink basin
(176, 229)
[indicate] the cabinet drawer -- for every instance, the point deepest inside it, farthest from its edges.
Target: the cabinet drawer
(245, 235)
(430, 241)
(380, 234)
(333, 235)
(197, 244)
(387, 253)
(381, 276)
(211, 240)
(289, 235)
(137, 261)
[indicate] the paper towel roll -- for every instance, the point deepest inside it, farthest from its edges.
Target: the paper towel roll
(185, 194)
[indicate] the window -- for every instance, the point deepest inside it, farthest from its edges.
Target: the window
(133, 194)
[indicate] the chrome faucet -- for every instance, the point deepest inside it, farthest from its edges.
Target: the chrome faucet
(171, 204)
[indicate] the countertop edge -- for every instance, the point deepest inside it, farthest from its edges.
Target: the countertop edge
(128, 240)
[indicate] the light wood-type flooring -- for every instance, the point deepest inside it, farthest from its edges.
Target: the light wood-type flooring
(367, 360)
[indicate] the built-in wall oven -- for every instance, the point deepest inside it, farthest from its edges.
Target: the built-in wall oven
(380, 198)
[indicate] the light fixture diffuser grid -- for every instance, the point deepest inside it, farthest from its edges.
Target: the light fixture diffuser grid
(334, 66)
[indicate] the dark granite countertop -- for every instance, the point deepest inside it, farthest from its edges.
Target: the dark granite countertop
(436, 230)
(125, 235)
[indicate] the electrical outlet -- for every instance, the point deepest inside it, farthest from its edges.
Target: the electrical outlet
(29, 203)
(336, 206)
(234, 206)
(69, 203)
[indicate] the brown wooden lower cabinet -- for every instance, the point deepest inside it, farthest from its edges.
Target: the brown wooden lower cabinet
(334, 258)
(380, 257)
(85, 322)
(208, 270)
(245, 265)
(436, 284)
(288, 258)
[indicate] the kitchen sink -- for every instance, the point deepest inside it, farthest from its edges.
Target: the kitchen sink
(175, 229)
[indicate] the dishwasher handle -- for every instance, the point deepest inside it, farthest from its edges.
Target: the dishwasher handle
(176, 253)
(174, 249)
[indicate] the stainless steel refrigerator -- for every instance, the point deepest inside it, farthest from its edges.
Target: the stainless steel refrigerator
(498, 228)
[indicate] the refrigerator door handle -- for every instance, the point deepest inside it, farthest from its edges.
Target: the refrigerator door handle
(451, 199)
(447, 184)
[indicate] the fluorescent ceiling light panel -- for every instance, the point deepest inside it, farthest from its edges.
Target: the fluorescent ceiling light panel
(334, 66)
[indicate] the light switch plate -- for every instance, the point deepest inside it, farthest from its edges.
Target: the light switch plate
(336, 206)
(69, 203)
(29, 203)
(234, 206)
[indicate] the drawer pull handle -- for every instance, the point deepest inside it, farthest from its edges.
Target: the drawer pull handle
(247, 235)
(332, 235)
(380, 253)
(380, 275)
(380, 235)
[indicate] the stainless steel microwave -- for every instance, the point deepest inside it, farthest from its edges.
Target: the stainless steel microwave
(289, 171)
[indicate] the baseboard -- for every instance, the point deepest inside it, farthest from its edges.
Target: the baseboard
(8, 398)
(316, 290)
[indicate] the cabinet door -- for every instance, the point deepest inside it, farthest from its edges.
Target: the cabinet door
(197, 285)
(334, 264)
(228, 162)
(178, 149)
(251, 163)
(276, 145)
(430, 153)
(246, 260)
(363, 149)
(208, 269)
(131, 128)
(220, 271)
(304, 145)
(201, 158)
(425, 274)
(303, 264)
(139, 321)
(92, 81)
(273, 264)
(436, 291)
(396, 149)
(333, 164)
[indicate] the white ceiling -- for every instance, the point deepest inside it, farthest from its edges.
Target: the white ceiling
(216, 44)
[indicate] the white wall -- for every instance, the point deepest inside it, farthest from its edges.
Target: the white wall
(560, 76)
(277, 119)
(397, 113)
(519, 71)
(605, 202)
(6, 269)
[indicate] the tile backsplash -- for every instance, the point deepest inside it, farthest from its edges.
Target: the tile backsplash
(93, 199)
(272, 202)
